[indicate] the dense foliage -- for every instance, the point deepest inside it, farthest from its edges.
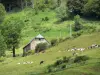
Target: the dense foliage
(92, 8)
(77, 25)
(54, 42)
(2, 12)
(41, 47)
(2, 46)
(88, 8)
(11, 30)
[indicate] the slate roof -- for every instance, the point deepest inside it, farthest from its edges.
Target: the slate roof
(39, 36)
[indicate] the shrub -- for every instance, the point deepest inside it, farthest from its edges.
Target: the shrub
(89, 29)
(41, 47)
(77, 26)
(30, 52)
(61, 39)
(63, 66)
(2, 59)
(66, 59)
(80, 59)
(54, 42)
(3, 46)
(46, 18)
(62, 13)
(67, 38)
(43, 19)
(75, 35)
(49, 68)
(2, 12)
(58, 62)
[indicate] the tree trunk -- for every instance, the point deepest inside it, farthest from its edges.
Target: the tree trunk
(14, 55)
(26, 3)
(21, 4)
(32, 1)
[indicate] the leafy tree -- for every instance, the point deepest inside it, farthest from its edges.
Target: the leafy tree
(41, 47)
(62, 13)
(92, 8)
(58, 3)
(46, 1)
(76, 6)
(54, 42)
(11, 30)
(77, 25)
(2, 46)
(2, 12)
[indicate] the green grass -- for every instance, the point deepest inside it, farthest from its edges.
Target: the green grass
(10, 66)
(60, 30)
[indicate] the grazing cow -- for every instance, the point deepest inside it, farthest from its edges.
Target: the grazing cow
(41, 62)
(72, 49)
(24, 62)
(98, 45)
(68, 50)
(18, 63)
(90, 47)
(93, 46)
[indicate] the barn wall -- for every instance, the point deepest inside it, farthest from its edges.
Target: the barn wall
(37, 41)
(33, 45)
(27, 48)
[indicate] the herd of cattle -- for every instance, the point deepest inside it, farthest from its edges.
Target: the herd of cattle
(73, 49)
(82, 49)
(30, 62)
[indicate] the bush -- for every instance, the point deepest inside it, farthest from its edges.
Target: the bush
(49, 68)
(89, 29)
(66, 59)
(77, 26)
(80, 59)
(2, 12)
(46, 18)
(67, 38)
(62, 13)
(58, 62)
(63, 66)
(61, 39)
(41, 47)
(2, 59)
(77, 34)
(54, 42)
(30, 52)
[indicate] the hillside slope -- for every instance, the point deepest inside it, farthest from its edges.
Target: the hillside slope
(11, 66)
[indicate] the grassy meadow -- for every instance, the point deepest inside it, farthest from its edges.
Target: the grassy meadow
(92, 67)
(50, 29)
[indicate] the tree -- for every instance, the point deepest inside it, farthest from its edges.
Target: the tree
(2, 45)
(2, 12)
(11, 30)
(77, 26)
(92, 8)
(62, 13)
(58, 3)
(41, 47)
(76, 6)
(54, 42)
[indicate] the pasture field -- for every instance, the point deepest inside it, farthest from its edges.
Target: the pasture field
(11, 66)
(34, 24)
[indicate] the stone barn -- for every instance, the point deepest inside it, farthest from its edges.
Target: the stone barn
(32, 44)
